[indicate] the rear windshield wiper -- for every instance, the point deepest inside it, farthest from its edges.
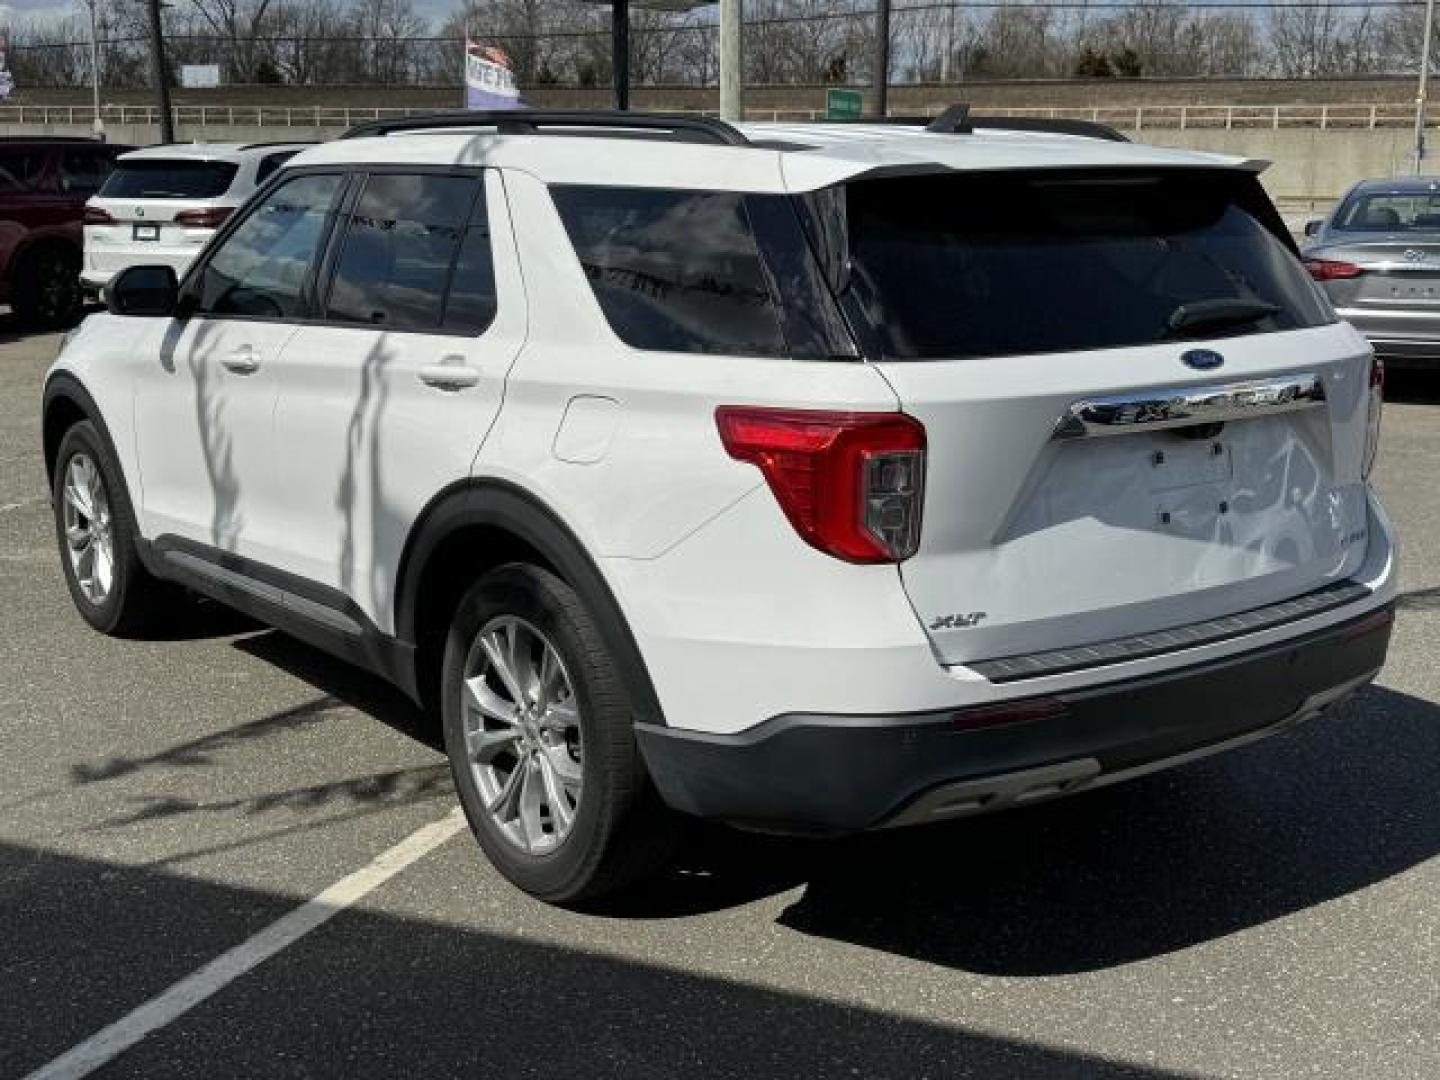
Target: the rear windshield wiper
(1225, 311)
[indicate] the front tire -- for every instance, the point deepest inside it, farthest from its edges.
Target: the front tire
(540, 734)
(96, 531)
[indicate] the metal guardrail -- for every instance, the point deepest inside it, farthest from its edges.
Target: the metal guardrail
(1349, 116)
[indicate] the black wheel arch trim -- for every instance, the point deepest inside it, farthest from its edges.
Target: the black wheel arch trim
(499, 504)
(64, 384)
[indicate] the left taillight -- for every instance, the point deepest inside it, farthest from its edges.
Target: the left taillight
(1372, 417)
(95, 215)
(851, 484)
(209, 218)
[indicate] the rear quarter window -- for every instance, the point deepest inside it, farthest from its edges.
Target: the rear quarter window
(677, 271)
(166, 178)
(1036, 262)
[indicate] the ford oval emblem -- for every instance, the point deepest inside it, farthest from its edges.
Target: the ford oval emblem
(1202, 359)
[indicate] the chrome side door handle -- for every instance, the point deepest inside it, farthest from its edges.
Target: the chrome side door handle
(449, 376)
(242, 361)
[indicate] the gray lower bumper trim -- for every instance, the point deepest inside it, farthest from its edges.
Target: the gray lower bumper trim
(1057, 661)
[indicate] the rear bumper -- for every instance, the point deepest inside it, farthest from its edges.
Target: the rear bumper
(828, 774)
(1399, 337)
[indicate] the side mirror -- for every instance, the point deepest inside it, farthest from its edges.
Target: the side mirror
(144, 290)
(1312, 227)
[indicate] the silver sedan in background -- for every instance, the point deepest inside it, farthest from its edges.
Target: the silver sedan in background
(1378, 257)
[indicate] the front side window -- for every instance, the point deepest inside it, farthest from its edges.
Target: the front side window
(260, 269)
(399, 246)
(674, 270)
(1000, 263)
(83, 170)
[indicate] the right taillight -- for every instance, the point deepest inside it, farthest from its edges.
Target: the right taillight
(212, 217)
(1372, 417)
(1331, 269)
(851, 484)
(95, 215)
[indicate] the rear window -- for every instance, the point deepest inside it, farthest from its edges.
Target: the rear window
(1036, 262)
(161, 178)
(1391, 211)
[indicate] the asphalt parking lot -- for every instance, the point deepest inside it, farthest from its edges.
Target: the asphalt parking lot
(1270, 913)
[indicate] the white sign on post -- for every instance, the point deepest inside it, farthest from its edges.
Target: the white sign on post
(200, 76)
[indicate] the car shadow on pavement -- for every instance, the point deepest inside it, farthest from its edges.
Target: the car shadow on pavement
(1147, 868)
(1419, 386)
(372, 993)
(1091, 882)
(344, 682)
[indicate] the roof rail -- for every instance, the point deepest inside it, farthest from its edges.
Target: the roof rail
(957, 120)
(536, 121)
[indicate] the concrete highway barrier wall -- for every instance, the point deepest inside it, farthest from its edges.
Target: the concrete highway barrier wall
(1311, 166)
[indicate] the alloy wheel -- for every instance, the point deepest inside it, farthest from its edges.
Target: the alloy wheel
(89, 539)
(521, 724)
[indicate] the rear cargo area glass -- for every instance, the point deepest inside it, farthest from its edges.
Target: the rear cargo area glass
(1050, 261)
(169, 179)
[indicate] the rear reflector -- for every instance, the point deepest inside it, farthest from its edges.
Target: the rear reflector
(1009, 712)
(1331, 270)
(95, 215)
(209, 218)
(851, 484)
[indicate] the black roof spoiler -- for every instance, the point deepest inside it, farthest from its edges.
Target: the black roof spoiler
(642, 125)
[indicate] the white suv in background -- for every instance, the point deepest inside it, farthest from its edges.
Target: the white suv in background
(813, 478)
(163, 203)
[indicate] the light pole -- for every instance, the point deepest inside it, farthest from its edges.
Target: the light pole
(98, 124)
(882, 58)
(158, 69)
(732, 60)
(1424, 81)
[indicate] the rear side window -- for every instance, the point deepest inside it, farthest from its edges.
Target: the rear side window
(1035, 262)
(270, 163)
(83, 170)
(674, 270)
(168, 178)
(399, 246)
(470, 306)
(260, 269)
(21, 169)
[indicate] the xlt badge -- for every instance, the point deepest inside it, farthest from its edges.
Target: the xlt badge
(958, 621)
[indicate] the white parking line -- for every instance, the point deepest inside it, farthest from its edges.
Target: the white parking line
(110, 1042)
(6, 507)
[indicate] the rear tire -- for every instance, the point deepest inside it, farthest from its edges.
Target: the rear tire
(45, 288)
(95, 528)
(554, 787)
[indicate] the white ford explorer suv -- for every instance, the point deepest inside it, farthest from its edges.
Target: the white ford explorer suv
(810, 478)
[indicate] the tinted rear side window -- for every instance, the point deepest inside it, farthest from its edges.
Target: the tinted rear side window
(673, 270)
(159, 178)
(21, 170)
(471, 305)
(399, 245)
(1036, 262)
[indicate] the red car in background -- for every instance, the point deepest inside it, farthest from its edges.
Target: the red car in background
(44, 183)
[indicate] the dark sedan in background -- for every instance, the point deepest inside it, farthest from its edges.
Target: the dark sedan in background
(1378, 257)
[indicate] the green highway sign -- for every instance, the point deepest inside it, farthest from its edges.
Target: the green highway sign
(843, 104)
